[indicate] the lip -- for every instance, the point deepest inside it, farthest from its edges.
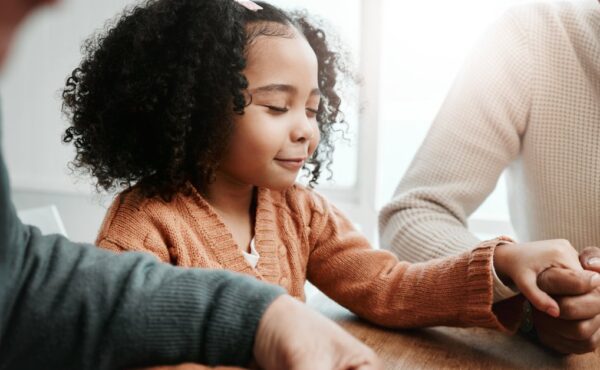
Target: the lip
(291, 163)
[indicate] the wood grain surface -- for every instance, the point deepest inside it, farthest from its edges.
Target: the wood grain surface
(451, 348)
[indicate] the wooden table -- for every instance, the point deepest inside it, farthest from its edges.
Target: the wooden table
(444, 347)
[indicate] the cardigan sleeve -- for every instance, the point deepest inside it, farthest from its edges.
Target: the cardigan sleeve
(475, 136)
(375, 285)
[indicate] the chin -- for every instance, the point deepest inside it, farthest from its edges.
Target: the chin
(280, 185)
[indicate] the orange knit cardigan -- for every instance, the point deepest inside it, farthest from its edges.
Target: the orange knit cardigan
(300, 236)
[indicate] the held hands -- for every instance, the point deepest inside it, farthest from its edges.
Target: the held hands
(523, 263)
(577, 330)
(569, 321)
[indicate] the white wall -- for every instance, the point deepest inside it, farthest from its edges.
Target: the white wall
(46, 50)
(81, 214)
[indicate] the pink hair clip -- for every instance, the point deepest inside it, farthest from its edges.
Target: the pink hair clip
(248, 4)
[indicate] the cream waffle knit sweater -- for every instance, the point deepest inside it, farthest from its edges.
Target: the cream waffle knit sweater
(528, 100)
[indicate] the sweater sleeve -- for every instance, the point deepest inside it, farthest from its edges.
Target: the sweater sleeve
(454, 291)
(71, 306)
(475, 136)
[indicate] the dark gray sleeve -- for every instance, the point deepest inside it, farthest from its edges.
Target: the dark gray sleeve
(70, 306)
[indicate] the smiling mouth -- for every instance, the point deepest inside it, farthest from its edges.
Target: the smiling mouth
(291, 163)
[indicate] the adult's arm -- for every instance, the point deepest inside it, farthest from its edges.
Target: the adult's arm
(72, 306)
(474, 137)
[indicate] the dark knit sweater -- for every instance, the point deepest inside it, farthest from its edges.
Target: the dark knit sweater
(65, 305)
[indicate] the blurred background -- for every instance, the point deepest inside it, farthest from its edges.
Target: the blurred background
(407, 54)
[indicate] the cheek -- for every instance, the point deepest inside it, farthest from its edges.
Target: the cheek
(238, 145)
(253, 136)
(314, 141)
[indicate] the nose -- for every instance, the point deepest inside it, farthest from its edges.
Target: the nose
(304, 129)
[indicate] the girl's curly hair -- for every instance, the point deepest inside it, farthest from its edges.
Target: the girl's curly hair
(152, 102)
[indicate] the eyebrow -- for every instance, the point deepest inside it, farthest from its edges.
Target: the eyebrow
(281, 88)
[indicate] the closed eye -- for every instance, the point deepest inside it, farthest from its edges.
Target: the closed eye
(312, 112)
(277, 109)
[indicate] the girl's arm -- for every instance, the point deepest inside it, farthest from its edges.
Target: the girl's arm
(453, 291)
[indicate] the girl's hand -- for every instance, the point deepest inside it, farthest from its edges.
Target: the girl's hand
(522, 263)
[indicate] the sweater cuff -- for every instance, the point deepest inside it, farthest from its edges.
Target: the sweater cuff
(501, 291)
(480, 286)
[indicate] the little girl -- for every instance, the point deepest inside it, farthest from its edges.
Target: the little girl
(205, 111)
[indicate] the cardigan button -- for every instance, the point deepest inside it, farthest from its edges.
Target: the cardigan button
(281, 250)
(283, 281)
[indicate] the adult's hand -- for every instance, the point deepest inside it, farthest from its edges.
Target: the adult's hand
(577, 329)
(590, 259)
(523, 263)
(292, 336)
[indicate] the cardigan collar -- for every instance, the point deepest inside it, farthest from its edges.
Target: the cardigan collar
(220, 238)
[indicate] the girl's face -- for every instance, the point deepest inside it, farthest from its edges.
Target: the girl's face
(278, 130)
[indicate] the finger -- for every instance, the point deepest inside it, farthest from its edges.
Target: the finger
(306, 365)
(545, 327)
(590, 258)
(367, 360)
(538, 298)
(368, 367)
(373, 364)
(567, 336)
(563, 346)
(580, 346)
(561, 281)
(556, 344)
(575, 329)
(580, 307)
